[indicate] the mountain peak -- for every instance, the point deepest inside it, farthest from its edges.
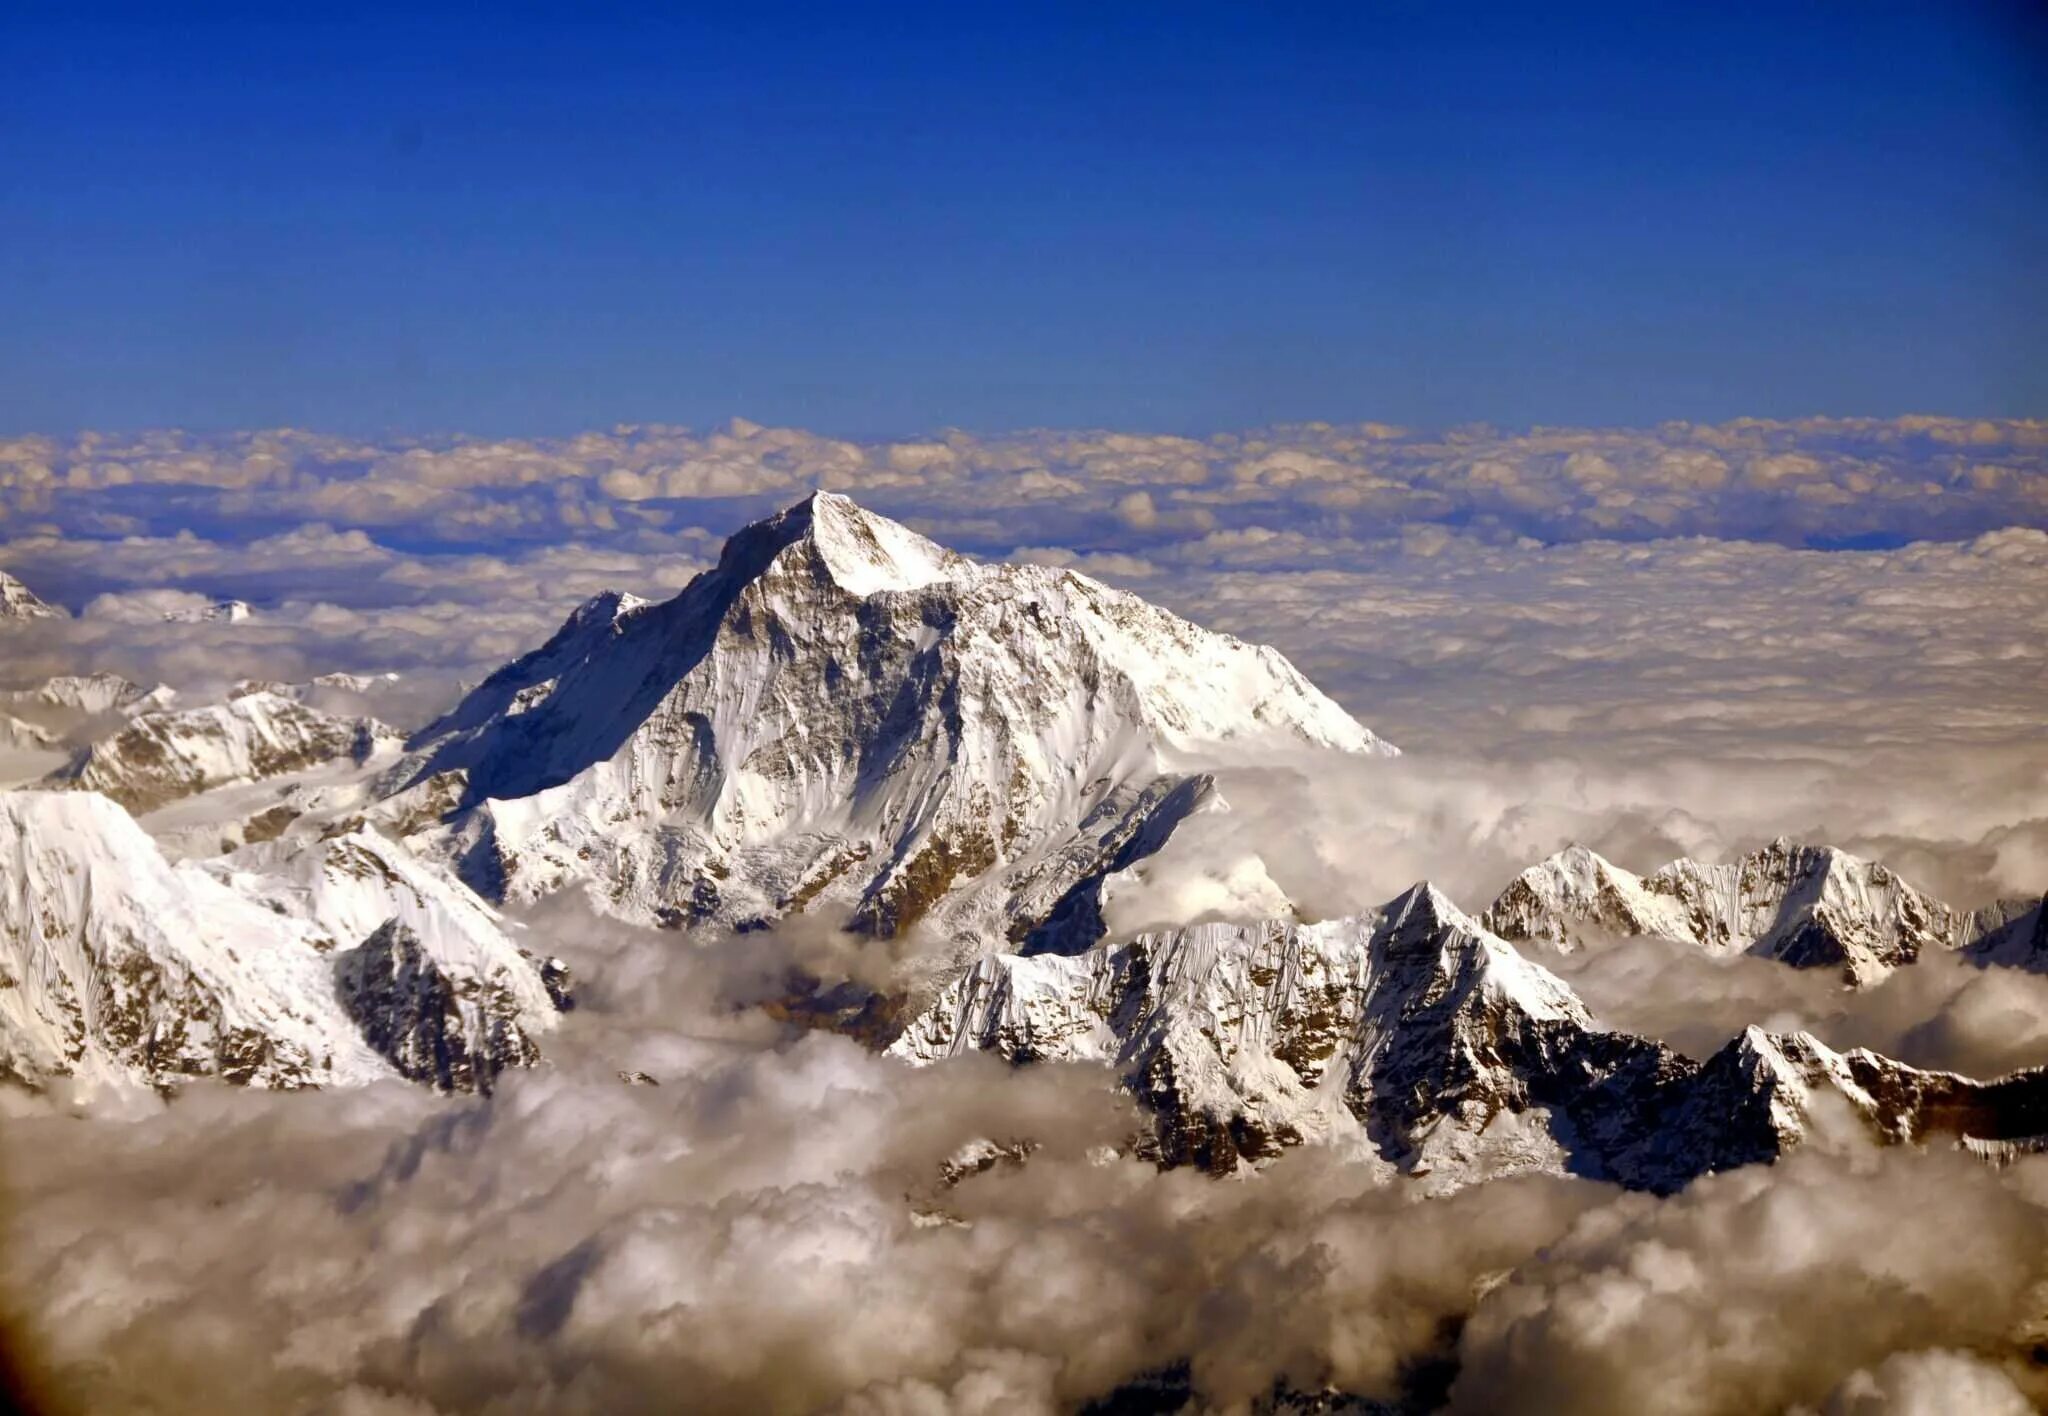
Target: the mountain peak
(19, 602)
(843, 714)
(835, 539)
(1805, 905)
(1427, 908)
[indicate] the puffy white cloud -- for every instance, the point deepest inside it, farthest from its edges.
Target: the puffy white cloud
(1764, 1288)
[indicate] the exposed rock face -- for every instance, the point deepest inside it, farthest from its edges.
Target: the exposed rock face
(1416, 1039)
(843, 714)
(18, 602)
(453, 1038)
(1807, 906)
(162, 756)
(118, 967)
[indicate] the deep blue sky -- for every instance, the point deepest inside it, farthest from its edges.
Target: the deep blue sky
(872, 222)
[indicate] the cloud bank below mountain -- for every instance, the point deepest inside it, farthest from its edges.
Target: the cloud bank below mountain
(767, 1229)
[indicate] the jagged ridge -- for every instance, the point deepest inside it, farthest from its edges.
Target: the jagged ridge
(1415, 1038)
(1807, 906)
(162, 756)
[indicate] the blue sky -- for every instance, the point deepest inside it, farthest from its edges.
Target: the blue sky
(874, 223)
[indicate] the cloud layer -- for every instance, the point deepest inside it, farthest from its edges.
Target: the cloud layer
(1816, 480)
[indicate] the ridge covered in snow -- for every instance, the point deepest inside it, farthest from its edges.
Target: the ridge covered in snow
(1413, 1038)
(118, 966)
(167, 754)
(214, 612)
(842, 714)
(2010, 934)
(1807, 906)
(842, 717)
(18, 602)
(89, 695)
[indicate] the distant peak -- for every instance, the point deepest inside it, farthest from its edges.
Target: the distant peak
(17, 601)
(603, 607)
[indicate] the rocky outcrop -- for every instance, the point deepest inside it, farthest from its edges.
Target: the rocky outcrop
(432, 1030)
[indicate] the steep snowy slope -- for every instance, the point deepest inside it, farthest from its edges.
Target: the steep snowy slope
(18, 602)
(117, 966)
(844, 715)
(1414, 1038)
(1808, 906)
(161, 756)
(348, 886)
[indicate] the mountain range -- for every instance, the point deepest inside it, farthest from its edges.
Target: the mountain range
(844, 720)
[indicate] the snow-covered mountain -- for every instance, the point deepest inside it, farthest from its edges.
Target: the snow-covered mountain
(1416, 1039)
(18, 602)
(88, 695)
(162, 756)
(347, 963)
(215, 612)
(1807, 906)
(844, 715)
